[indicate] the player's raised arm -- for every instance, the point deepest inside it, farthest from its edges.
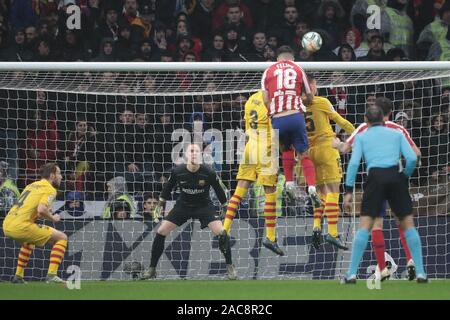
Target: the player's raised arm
(168, 187)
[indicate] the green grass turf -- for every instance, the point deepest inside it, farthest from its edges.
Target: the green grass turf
(228, 290)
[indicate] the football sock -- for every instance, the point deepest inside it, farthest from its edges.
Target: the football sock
(24, 256)
(332, 212)
(288, 162)
(309, 171)
(404, 243)
(157, 249)
(378, 247)
(270, 215)
(56, 256)
(358, 248)
(318, 212)
(233, 205)
(415, 245)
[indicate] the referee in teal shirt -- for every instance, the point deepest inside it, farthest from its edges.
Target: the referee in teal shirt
(382, 149)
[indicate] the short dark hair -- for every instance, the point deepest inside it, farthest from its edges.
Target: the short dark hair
(47, 169)
(377, 37)
(285, 49)
(384, 104)
(374, 114)
(151, 195)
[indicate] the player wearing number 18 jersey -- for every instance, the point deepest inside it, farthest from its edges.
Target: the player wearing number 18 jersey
(283, 84)
(258, 164)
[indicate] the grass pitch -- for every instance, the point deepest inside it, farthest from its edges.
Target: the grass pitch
(229, 290)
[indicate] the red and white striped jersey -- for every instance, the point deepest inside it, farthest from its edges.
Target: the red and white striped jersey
(389, 124)
(284, 82)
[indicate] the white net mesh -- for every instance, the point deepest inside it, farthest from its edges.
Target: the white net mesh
(99, 126)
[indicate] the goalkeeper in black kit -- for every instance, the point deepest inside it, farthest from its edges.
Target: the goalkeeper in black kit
(194, 180)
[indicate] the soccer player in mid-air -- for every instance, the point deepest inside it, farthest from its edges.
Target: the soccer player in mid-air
(327, 162)
(20, 223)
(260, 163)
(381, 148)
(283, 84)
(377, 231)
(194, 180)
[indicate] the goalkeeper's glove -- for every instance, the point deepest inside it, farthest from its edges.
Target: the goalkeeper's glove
(157, 212)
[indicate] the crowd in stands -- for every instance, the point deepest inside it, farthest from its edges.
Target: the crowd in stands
(98, 139)
(222, 30)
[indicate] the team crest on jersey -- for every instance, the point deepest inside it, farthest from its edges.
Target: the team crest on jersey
(201, 183)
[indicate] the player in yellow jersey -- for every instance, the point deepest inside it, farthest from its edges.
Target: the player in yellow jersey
(327, 162)
(260, 163)
(34, 203)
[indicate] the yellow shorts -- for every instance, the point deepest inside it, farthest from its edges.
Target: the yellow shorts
(28, 232)
(327, 162)
(255, 172)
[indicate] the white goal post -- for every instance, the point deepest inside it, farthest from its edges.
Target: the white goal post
(48, 100)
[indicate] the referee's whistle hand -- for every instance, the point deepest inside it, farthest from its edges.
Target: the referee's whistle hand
(348, 201)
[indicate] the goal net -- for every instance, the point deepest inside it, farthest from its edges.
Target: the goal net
(113, 129)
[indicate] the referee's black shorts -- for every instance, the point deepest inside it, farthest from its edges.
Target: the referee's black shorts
(386, 184)
(180, 214)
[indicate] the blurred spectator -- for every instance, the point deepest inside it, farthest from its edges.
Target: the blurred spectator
(376, 50)
(395, 54)
(73, 48)
(288, 26)
(352, 37)
(149, 204)
(201, 18)
(8, 190)
(31, 36)
(79, 157)
(301, 28)
(106, 52)
(43, 51)
(74, 205)
(148, 52)
(119, 205)
(166, 56)
(269, 53)
(161, 142)
(234, 17)
(22, 14)
(18, 51)
(184, 44)
(125, 48)
(346, 53)
(40, 144)
(256, 51)
(144, 30)
(402, 119)
(216, 51)
(436, 30)
(222, 13)
(190, 56)
(130, 13)
(159, 37)
(330, 19)
(399, 26)
(435, 145)
(233, 46)
(109, 28)
(273, 40)
(440, 50)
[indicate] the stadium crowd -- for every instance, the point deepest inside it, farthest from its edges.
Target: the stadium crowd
(97, 138)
